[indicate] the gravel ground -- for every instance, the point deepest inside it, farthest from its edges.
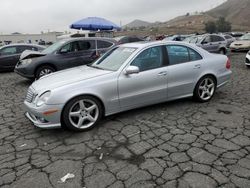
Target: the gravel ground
(175, 144)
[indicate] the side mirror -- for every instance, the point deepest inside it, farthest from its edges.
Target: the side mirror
(132, 70)
(63, 51)
(204, 42)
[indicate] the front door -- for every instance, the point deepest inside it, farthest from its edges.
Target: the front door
(149, 85)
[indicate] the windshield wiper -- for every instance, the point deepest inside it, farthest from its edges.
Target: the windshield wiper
(96, 67)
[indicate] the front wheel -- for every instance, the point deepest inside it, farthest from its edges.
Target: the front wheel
(44, 70)
(82, 113)
(205, 89)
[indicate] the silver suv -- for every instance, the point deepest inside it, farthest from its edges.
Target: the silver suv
(210, 42)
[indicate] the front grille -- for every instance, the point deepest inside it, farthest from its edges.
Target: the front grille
(30, 96)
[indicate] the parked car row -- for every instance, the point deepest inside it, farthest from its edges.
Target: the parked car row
(61, 55)
(10, 54)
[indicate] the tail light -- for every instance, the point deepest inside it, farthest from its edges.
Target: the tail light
(228, 64)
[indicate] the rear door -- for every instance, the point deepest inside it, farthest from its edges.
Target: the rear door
(8, 57)
(87, 51)
(185, 65)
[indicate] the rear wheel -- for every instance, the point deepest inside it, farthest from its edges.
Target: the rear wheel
(44, 70)
(205, 89)
(82, 113)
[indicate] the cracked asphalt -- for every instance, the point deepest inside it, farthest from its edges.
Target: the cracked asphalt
(175, 144)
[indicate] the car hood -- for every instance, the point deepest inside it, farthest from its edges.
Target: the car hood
(242, 42)
(66, 77)
(27, 54)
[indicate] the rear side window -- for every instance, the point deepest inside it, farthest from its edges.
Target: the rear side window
(216, 38)
(9, 51)
(103, 44)
(86, 45)
(193, 55)
(228, 37)
(181, 54)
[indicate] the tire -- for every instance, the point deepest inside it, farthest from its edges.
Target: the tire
(82, 113)
(222, 51)
(248, 66)
(205, 89)
(44, 70)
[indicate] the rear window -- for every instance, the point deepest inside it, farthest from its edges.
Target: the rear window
(103, 44)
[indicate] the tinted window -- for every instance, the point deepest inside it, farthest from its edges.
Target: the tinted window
(193, 55)
(103, 44)
(177, 54)
(9, 51)
(216, 38)
(20, 49)
(228, 37)
(70, 47)
(86, 45)
(149, 59)
(181, 54)
(124, 40)
(134, 39)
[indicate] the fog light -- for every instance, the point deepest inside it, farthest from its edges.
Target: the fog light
(42, 120)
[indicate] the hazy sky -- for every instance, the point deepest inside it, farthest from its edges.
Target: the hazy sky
(34, 16)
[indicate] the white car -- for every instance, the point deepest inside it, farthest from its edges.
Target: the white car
(248, 59)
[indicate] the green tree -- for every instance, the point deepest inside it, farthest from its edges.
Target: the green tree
(223, 25)
(210, 27)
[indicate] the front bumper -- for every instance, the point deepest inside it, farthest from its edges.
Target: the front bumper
(239, 48)
(22, 72)
(39, 119)
(248, 60)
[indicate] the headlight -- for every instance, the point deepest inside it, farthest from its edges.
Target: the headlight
(42, 99)
(26, 61)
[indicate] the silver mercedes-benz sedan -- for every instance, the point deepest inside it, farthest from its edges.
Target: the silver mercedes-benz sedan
(127, 77)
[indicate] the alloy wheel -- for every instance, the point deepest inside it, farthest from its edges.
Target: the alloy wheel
(83, 113)
(45, 72)
(206, 89)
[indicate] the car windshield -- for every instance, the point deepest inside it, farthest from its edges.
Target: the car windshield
(114, 59)
(53, 47)
(245, 37)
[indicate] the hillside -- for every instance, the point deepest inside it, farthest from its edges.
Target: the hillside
(235, 11)
(137, 23)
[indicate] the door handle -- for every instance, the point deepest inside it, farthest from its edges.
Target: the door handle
(162, 73)
(198, 66)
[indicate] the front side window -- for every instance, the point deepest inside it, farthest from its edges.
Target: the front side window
(8, 51)
(114, 59)
(149, 59)
(70, 47)
(181, 54)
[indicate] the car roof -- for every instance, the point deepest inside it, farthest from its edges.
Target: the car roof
(88, 38)
(145, 44)
(22, 44)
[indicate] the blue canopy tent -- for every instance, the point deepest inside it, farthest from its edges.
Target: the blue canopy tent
(94, 24)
